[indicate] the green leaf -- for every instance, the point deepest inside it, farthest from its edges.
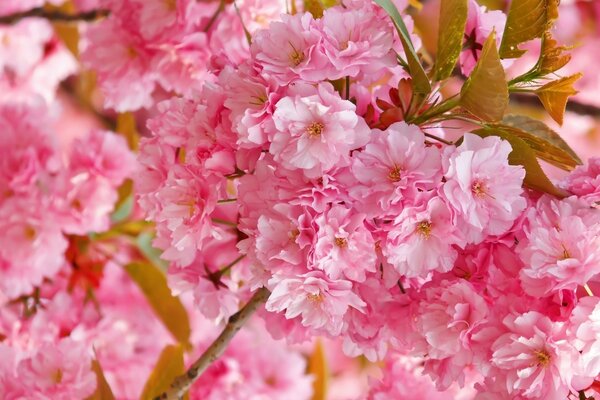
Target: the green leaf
(453, 18)
(547, 144)
(103, 391)
(527, 20)
(522, 154)
(420, 83)
(317, 366)
(485, 93)
(554, 96)
(169, 366)
(144, 244)
(125, 202)
(153, 283)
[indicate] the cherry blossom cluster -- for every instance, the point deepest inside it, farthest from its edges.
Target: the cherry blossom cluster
(286, 170)
(145, 49)
(66, 302)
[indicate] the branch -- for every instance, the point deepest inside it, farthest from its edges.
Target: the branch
(182, 383)
(53, 16)
(572, 105)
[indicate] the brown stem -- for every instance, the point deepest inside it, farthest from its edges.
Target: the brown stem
(572, 105)
(182, 383)
(53, 16)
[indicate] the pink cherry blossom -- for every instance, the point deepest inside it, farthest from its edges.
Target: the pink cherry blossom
(187, 201)
(584, 181)
(104, 154)
(534, 358)
(447, 317)
(422, 239)
(291, 49)
(559, 251)
(59, 370)
(315, 130)
(480, 24)
(122, 63)
(483, 189)
(344, 246)
(322, 303)
(355, 42)
(394, 165)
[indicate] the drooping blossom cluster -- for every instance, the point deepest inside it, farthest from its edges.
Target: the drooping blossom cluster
(278, 172)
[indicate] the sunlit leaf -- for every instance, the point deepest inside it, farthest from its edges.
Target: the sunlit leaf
(522, 154)
(317, 7)
(317, 367)
(547, 144)
(552, 56)
(554, 96)
(421, 84)
(453, 17)
(416, 4)
(68, 32)
(169, 366)
(153, 283)
(485, 93)
(527, 20)
(127, 126)
(103, 391)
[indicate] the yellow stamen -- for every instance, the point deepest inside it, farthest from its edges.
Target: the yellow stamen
(296, 57)
(315, 298)
(543, 358)
(57, 376)
(30, 232)
(315, 129)
(294, 234)
(424, 229)
(341, 242)
(478, 189)
(395, 174)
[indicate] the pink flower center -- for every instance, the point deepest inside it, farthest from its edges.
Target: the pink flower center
(29, 232)
(315, 129)
(315, 297)
(395, 174)
(543, 358)
(57, 376)
(424, 229)
(341, 242)
(565, 253)
(271, 381)
(478, 189)
(191, 205)
(131, 52)
(296, 56)
(171, 5)
(294, 235)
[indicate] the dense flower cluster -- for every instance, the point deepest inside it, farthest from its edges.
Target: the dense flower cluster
(67, 305)
(288, 159)
(275, 174)
(144, 46)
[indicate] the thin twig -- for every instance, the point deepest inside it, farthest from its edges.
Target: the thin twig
(54, 16)
(214, 17)
(182, 383)
(439, 139)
